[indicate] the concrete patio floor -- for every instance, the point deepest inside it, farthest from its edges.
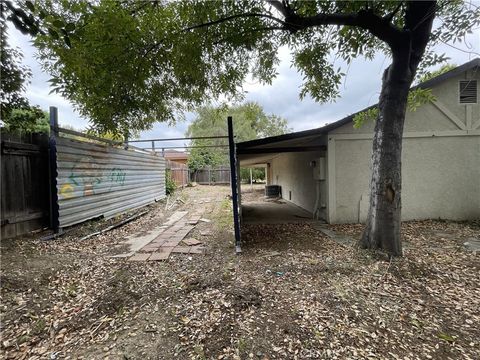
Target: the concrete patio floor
(274, 212)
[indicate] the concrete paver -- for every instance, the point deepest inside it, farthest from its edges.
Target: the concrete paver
(191, 241)
(197, 250)
(159, 256)
(157, 245)
(139, 257)
(182, 249)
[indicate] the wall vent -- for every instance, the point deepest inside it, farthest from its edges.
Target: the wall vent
(468, 92)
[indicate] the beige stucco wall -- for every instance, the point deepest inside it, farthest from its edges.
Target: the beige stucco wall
(292, 171)
(441, 162)
(429, 117)
(441, 178)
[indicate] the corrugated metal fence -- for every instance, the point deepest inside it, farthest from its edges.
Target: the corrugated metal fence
(102, 180)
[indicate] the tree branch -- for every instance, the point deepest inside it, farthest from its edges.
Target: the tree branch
(418, 21)
(365, 19)
(390, 16)
(242, 33)
(231, 17)
(282, 8)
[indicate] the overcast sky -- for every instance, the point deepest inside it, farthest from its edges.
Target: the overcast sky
(359, 90)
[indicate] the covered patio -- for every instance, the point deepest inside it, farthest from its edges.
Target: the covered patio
(292, 162)
(278, 211)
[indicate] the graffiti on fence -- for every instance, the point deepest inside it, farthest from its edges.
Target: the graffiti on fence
(89, 178)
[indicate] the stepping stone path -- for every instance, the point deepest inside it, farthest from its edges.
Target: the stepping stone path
(168, 240)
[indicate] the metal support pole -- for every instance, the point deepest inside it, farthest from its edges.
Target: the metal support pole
(233, 175)
(153, 146)
(251, 180)
(52, 164)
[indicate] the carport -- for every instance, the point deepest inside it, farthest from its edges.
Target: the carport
(294, 162)
(274, 212)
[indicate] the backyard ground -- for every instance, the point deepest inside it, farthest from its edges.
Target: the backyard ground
(294, 293)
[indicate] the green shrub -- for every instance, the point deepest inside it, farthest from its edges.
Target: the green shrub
(170, 185)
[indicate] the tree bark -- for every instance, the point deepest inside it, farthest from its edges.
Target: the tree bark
(382, 229)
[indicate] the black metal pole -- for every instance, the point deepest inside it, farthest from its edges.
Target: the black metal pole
(233, 172)
(52, 163)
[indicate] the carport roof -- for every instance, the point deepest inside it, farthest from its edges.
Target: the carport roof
(289, 142)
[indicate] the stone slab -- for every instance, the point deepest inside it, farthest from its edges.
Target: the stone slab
(197, 250)
(159, 256)
(472, 244)
(166, 249)
(177, 215)
(191, 241)
(139, 257)
(170, 243)
(182, 249)
(149, 249)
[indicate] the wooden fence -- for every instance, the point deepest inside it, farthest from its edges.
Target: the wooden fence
(211, 176)
(182, 175)
(25, 188)
(179, 172)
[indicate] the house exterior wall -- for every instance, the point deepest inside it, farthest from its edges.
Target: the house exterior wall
(292, 171)
(440, 159)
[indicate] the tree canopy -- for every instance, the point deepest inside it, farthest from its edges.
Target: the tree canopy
(249, 122)
(128, 64)
(14, 76)
(16, 112)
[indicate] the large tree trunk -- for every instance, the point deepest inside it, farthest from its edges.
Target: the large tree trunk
(382, 230)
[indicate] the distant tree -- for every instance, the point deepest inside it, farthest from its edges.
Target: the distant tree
(249, 122)
(14, 76)
(27, 120)
(257, 174)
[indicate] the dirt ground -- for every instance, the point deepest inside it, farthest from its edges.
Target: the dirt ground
(293, 293)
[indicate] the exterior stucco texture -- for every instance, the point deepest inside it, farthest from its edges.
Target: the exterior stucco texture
(293, 172)
(440, 161)
(441, 178)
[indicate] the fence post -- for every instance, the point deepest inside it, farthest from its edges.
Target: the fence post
(52, 164)
(233, 177)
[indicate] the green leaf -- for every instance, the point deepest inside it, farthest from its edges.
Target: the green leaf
(70, 27)
(364, 116)
(30, 6)
(53, 33)
(67, 41)
(58, 23)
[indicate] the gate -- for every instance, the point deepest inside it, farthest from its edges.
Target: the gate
(24, 178)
